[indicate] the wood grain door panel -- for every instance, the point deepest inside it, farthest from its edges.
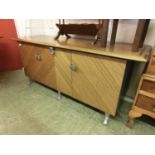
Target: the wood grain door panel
(97, 80)
(42, 70)
(28, 53)
(45, 71)
(63, 72)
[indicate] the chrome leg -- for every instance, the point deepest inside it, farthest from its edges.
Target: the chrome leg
(59, 95)
(106, 118)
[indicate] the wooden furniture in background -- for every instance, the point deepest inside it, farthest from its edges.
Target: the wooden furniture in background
(140, 35)
(151, 66)
(79, 69)
(141, 32)
(114, 32)
(103, 33)
(78, 29)
(100, 31)
(144, 102)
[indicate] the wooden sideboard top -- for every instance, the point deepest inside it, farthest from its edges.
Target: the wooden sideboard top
(120, 50)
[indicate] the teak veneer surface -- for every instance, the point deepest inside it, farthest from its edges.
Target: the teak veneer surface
(40, 71)
(97, 80)
(89, 73)
(120, 50)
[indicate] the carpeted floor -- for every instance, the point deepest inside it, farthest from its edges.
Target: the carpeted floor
(34, 109)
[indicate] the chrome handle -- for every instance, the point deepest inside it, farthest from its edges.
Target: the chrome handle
(153, 108)
(52, 50)
(38, 57)
(73, 67)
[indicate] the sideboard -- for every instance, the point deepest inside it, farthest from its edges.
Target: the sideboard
(79, 69)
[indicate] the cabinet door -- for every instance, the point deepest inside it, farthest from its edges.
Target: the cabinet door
(28, 53)
(38, 62)
(63, 71)
(97, 80)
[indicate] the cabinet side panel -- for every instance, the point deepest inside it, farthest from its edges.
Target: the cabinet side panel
(98, 81)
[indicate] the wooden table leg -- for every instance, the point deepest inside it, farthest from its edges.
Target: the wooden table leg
(114, 31)
(147, 22)
(104, 32)
(139, 34)
(132, 115)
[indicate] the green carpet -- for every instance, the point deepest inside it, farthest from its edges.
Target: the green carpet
(34, 109)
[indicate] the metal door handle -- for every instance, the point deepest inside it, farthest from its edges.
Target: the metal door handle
(153, 108)
(52, 50)
(38, 57)
(73, 67)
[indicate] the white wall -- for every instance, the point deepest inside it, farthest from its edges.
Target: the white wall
(126, 28)
(29, 27)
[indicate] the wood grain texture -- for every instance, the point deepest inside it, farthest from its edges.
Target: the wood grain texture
(146, 94)
(104, 33)
(27, 55)
(151, 65)
(148, 86)
(63, 72)
(139, 36)
(42, 70)
(147, 22)
(144, 111)
(132, 115)
(144, 102)
(97, 81)
(120, 50)
(114, 32)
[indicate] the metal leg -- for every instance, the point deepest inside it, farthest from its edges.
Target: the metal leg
(59, 95)
(106, 118)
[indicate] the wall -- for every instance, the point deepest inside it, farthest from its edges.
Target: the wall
(126, 28)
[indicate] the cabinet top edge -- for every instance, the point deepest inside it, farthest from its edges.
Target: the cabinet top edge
(120, 50)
